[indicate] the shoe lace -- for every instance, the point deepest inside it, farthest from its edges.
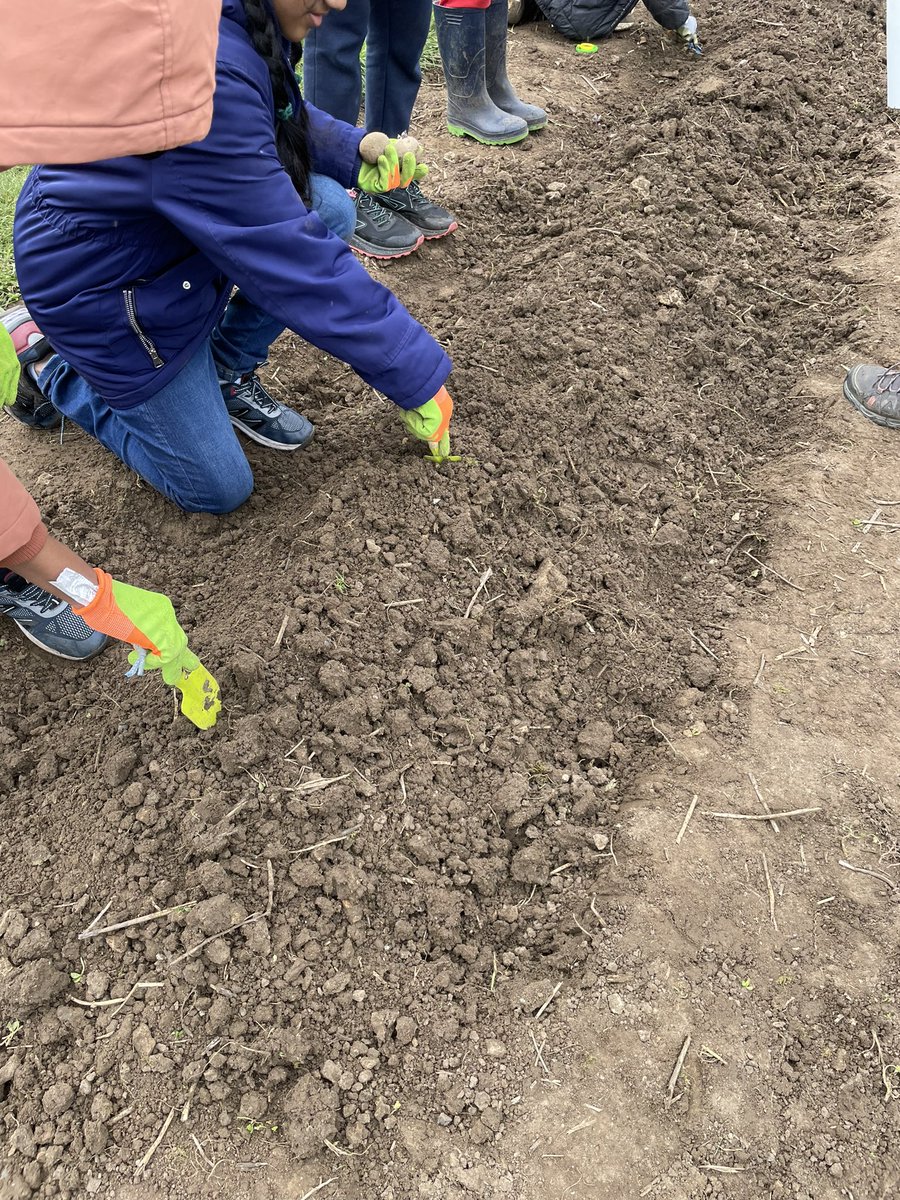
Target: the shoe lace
(415, 193)
(37, 598)
(889, 380)
(377, 213)
(249, 390)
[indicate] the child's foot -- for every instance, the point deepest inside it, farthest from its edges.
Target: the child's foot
(33, 351)
(263, 418)
(46, 621)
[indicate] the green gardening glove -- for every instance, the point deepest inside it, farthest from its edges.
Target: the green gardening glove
(9, 369)
(147, 620)
(144, 619)
(388, 169)
(431, 423)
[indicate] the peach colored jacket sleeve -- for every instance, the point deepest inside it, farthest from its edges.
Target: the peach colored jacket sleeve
(106, 78)
(22, 532)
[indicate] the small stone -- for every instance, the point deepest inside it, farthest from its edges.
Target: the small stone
(600, 840)
(494, 1048)
(710, 87)
(331, 1071)
(616, 1004)
(96, 1137)
(530, 866)
(406, 1029)
(336, 984)
(641, 185)
(671, 298)
(534, 995)
(143, 1041)
(96, 984)
(58, 1099)
(595, 740)
(444, 1119)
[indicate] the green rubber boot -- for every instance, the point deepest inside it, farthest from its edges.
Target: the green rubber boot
(470, 110)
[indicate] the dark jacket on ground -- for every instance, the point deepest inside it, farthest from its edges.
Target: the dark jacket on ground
(127, 264)
(585, 19)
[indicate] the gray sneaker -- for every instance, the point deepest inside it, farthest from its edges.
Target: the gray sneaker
(875, 392)
(429, 218)
(261, 417)
(46, 621)
(380, 232)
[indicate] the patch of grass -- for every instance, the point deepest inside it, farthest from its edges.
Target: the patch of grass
(10, 186)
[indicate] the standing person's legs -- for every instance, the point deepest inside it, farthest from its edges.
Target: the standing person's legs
(499, 88)
(398, 30)
(462, 37)
(180, 440)
(331, 72)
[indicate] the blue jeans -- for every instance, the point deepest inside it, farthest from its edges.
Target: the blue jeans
(394, 32)
(181, 440)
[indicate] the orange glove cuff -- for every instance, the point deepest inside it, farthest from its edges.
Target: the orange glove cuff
(445, 404)
(104, 615)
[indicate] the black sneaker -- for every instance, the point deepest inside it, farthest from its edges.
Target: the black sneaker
(428, 217)
(46, 621)
(875, 392)
(261, 417)
(380, 232)
(31, 406)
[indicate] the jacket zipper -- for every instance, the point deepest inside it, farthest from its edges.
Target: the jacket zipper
(145, 341)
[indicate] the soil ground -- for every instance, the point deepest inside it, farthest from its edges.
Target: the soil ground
(427, 927)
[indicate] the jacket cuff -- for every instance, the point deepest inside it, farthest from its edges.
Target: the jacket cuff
(31, 549)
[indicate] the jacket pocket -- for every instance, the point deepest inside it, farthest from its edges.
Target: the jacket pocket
(144, 338)
(168, 311)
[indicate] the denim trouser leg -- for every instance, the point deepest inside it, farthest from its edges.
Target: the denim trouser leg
(397, 33)
(180, 440)
(394, 32)
(241, 340)
(331, 73)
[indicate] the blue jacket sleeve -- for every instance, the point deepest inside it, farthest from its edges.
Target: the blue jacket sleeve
(334, 146)
(230, 195)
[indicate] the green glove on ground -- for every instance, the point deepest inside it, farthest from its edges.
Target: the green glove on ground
(9, 369)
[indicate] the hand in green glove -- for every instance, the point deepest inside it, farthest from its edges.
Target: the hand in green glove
(9, 369)
(431, 423)
(388, 164)
(146, 620)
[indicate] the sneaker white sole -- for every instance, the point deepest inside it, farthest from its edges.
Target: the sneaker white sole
(256, 436)
(49, 649)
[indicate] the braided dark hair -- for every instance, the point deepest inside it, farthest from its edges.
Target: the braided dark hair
(292, 125)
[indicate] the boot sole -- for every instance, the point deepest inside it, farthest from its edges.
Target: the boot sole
(367, 250)
(460, 131)
(875, 418)
(256, 436)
